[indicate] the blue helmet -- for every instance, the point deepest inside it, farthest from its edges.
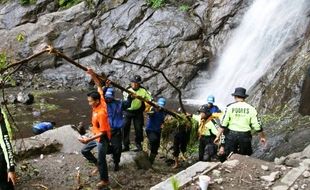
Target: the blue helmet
(211, 99)
(109, 93)
(161, 102)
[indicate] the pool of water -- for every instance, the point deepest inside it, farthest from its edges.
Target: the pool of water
(62, 107)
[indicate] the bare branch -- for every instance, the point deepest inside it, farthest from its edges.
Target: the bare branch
(151, 68)
(103, 77)
(24, 60)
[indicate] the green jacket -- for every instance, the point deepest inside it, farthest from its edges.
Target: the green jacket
(206, 127)
(136, 103)
(5, 135)
(241, 117)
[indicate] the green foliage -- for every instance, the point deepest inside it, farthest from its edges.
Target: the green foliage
(184, 8)
(173, 125)
(20, 37)
(156, 3)
(3, 60)
(27, 2)
(175, 183)
(68, 3)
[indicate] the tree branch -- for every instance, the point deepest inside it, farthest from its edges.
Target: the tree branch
(104, 77)
(24, 60)
(151, 68)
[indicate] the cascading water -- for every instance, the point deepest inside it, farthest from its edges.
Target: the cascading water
(268, 29)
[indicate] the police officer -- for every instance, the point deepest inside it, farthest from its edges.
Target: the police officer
(135, 113)
(239, 119)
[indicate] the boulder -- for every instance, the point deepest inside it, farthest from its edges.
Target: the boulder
(25, 97)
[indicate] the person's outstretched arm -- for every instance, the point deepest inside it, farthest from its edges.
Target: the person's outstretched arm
(95, 77)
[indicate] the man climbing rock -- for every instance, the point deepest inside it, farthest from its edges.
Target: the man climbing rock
(7, 163)
(135, 113)
(101, 131)
(238, 121)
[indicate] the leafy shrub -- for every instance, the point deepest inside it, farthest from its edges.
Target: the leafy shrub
(184, 8)
(68, 3)
(27, 2)
(156, 3)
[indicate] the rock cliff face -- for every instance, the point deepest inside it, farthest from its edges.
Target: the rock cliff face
(181, 43)
(282, 97)
(178, 42)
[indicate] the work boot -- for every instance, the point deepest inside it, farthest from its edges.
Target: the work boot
(102, 184)
(152, 158)
(139, 148)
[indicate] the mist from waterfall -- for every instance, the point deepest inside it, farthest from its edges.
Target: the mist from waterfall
(267, 30)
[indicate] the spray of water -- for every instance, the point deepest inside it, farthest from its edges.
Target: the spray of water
(266, 31)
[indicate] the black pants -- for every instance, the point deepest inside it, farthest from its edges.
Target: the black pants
(180, 142)
(238, 142)
(116, 142)
(207, 148)
(138, 122)
(154, 141)
(4, 184)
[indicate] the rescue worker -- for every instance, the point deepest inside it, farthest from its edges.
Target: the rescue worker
(213, 108)
(101, 131)
(135, 113)
(7, 163)
(207, 132)
(238, 121)
(115, 113)
(180, 142)
(156, 118)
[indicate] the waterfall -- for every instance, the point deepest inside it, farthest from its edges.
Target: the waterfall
(267, 31)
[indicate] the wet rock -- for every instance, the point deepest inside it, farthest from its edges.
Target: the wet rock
(11, 99)
(266, 168)
(34, 146)
(142, 160)
(280, 187)
(219, 180)
(272, 177)
(231, 163)
(306, 174)
(279, 161)
(25, 97)
(303, 186)
(294, 187)
(292, 162)
(216, 173)
(306, 152)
